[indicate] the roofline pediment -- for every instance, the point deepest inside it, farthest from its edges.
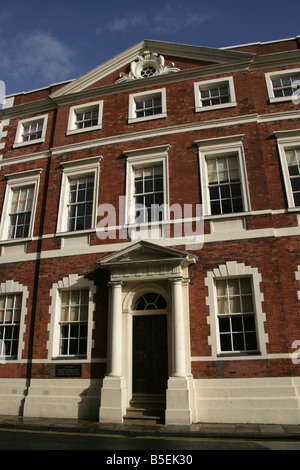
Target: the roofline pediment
(161, 48)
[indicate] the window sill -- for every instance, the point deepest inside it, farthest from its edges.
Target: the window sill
(86, 129)
(233, 215)
(281, 99)
(15, 241)
(233, 355)
(76, 233)
(69, 358)
(147, 118)
(4, 360)
(215, 107)
(27, 143)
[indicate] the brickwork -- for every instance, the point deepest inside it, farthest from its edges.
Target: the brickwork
(270, 237)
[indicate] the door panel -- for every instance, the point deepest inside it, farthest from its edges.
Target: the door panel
(150, 354)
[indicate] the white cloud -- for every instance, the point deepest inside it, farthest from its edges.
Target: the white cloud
(39, 55)
(171, 18)
(123, 23)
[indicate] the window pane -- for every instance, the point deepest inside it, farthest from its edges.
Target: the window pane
(225, 341)
(224, 324)
(64, 314)
(237, 323)
(148, 185)
(295, 184)
(246, 287)
(237, 205)
(236, 191)
(223, 306)
(75, 297)
(238, 342)
(233, 287)
(215, 207)
(65, 295)
(214, 192)
(221, 288)
(251, 342)
(297, 199)
(84, 313)
(9, 301)
(235, 305)
(247, 303)
(17, 315)
(249, 323)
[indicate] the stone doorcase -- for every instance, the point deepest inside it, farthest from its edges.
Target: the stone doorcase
(140, 268)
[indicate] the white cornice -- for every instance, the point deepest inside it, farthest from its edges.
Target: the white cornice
(40, 106)
(147, 151)
(122, 138)
(228, 139)
(27, 158)
(278, 59)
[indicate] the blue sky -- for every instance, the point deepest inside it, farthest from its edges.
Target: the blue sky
(44, 42)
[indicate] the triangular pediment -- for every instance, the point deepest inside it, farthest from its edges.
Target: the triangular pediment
(146, 252)
(119, 68)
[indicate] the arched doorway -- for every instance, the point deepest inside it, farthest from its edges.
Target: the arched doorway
(150, 345)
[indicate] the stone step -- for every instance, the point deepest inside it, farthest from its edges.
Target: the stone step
(141, 418)
(146, 409)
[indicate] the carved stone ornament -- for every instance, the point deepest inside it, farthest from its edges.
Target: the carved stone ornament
(149, 64)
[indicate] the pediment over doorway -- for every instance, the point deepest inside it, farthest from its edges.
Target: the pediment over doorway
(145, 258)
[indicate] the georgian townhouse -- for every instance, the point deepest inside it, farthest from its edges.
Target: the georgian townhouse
(149, 235)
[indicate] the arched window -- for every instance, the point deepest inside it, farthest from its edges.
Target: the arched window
(150, 301)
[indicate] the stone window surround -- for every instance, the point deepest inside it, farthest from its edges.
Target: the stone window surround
(146, 94)
(74, 169)
(17, 180)
(279, 74)
(14, 287)
(233, 269)
(218, 147)
(73, 281)
(208, 84)
(18, 139)
(84, 108)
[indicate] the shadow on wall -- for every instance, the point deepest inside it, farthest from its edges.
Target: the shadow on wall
(88, 407)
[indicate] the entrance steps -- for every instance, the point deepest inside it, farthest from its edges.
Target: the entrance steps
(146, 409)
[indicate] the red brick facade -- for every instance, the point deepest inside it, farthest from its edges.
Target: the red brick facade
(264, 237)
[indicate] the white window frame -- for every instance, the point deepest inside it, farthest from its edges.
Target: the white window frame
(74, 110)
(75, 282)
(16, 181)
(19, 134)
(13, 287)
(146, 94)
(287, 140)
(207, 84)
(279, 74)
(140, 159)
(223, 146)
(71, 170)
(233, 270)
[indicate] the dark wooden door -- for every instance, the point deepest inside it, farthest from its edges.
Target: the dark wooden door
(150, 354)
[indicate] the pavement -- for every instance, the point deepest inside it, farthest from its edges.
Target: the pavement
(199, 430)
